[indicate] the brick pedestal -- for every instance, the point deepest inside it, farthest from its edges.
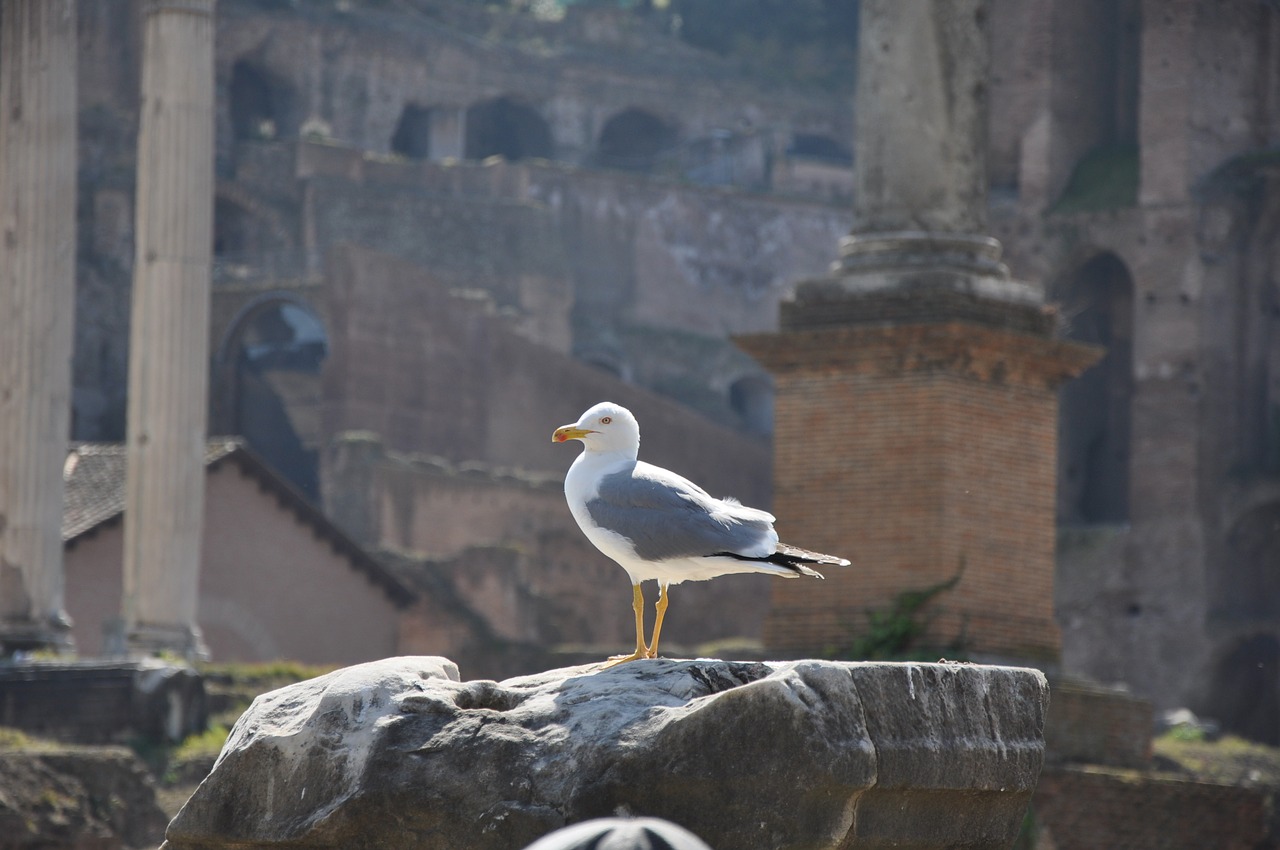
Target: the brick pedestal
(916, 445)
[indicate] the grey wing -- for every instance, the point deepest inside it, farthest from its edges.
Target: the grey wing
(665, 516)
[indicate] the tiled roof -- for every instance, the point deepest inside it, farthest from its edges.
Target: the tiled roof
(94, 478)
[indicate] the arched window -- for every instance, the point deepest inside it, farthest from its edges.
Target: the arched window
(260, 104)
(634, 140)
(272, 355)
(1094, 412)
(502, 127)
(412, 137)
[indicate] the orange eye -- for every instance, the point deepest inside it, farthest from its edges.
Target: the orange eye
(605, 420)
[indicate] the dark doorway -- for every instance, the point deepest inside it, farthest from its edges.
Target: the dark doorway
(1245, 691)
(412, 137)
(1094, 413)
(634, 140)
(259, 104)
(502, 127)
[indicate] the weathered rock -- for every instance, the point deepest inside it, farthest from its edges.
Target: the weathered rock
(77, 798)
(399, 754)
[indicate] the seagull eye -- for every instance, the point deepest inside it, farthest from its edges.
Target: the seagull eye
(605, 420)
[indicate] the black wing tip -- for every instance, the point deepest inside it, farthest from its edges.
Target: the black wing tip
(807, 556)
(794, 558)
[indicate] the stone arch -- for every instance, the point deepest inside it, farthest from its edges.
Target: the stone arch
(261, 103)
(1244, 688)
(267, 381)
(504, 127)
(412, 136)
(1094, 413)
(751, 397)
(1246, 586)
(815, 146)
(634, 139)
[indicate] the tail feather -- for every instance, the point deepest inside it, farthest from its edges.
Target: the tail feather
(795, 558)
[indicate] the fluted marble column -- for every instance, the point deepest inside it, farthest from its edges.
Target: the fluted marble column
(37, 303)
(168, 357)
(920, 142)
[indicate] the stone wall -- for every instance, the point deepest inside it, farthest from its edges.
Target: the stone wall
(436, 374)
(350, 77)
(644, 277)
(356, 73)
(94, 702)
(1093, 724)
(1135, 597)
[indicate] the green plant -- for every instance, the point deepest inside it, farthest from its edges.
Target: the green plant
(893, 633)
(14, 739)
(1185, 732)
(1028, 832)
(1105, 178)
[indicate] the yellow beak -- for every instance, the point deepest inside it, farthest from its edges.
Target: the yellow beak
(570, 432)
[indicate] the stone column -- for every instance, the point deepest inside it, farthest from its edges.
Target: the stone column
(920, 142)
(920, 127)
(916, 407)
(169, 357)
(37, 304)
(448, 132)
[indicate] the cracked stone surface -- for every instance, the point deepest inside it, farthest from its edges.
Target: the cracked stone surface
(803, 754)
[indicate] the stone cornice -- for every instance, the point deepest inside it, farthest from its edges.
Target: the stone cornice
(967, 350)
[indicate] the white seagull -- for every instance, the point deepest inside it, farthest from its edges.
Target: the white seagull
(658, 525)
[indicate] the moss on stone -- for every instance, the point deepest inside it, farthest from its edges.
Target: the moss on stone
(1105, 178)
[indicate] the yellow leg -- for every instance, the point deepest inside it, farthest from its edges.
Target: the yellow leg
(642, 651)
(657, 624)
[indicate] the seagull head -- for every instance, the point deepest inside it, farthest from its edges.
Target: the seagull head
(607, 427)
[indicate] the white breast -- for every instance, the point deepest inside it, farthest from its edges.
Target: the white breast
(581, 484)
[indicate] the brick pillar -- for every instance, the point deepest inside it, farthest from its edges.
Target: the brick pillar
(169, 350)
(916, 408)
(913, 444)
(37, 304)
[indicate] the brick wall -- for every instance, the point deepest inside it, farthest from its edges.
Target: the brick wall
(1090, 808)
(913, 450)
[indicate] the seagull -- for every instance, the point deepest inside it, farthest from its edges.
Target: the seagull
(660, 526)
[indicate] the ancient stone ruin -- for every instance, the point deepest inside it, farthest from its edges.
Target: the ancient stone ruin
(803, 754)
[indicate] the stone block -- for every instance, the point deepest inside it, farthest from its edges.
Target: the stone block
(400, 754)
